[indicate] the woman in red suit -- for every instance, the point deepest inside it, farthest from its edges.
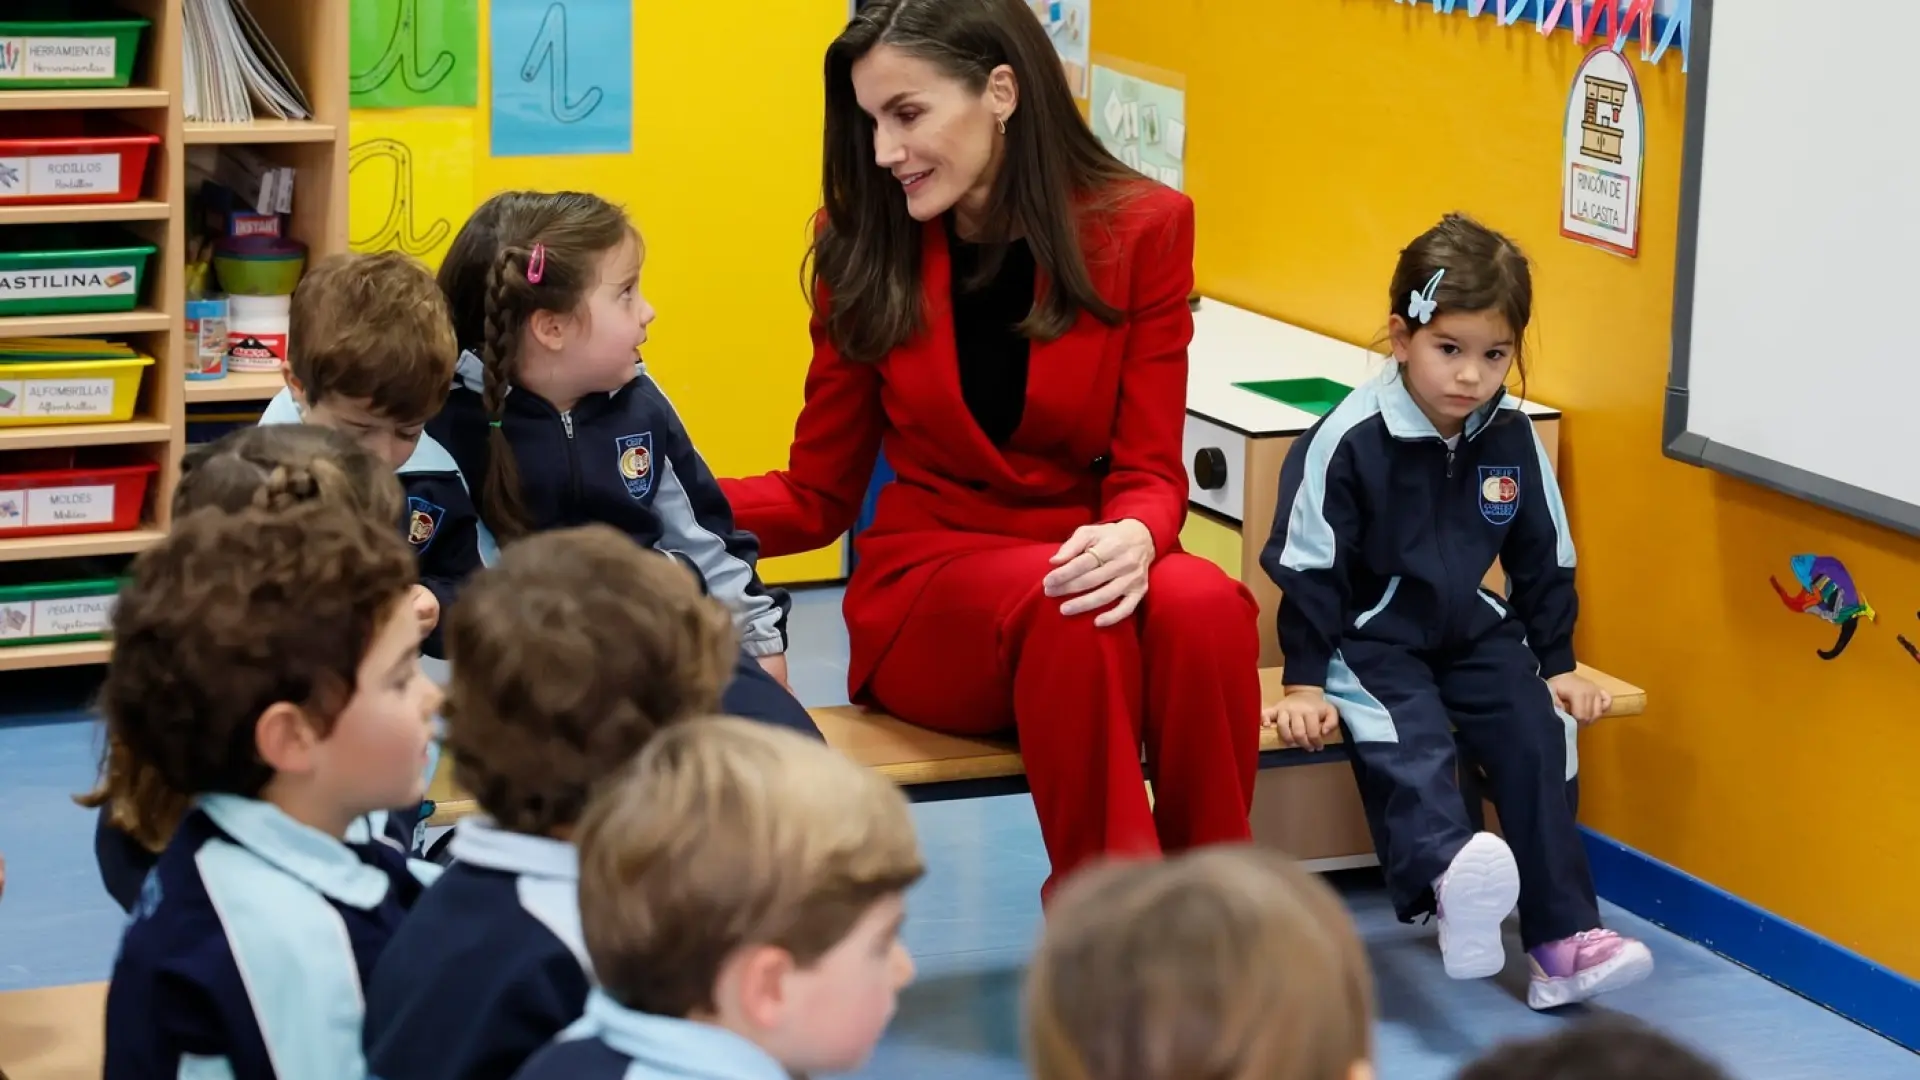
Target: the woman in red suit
(1002, 306)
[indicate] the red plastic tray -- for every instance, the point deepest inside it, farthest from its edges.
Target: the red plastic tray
(60, 502)
(49, 159)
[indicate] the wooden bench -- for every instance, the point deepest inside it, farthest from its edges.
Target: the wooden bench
(932, 767)
(55, 1033)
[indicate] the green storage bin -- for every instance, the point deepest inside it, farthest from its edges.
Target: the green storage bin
(56, 612)
(72, 270)
(64, 45)
(1316, 396)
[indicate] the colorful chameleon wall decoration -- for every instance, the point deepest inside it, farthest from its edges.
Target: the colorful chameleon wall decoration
(1826, 592)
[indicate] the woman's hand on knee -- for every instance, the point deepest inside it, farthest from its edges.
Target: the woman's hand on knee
(1579, 697)
(1304, 717)
(1102, 567)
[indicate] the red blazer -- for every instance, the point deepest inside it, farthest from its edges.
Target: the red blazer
(1115, 393)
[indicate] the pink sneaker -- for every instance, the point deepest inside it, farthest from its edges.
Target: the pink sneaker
(1473, 897)
(1588, 963)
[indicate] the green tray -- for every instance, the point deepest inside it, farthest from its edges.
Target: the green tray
(1316, 396)
(69, 270)
(47, 47)
(33, 614)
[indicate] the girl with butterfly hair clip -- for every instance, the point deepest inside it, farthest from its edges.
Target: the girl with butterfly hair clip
(273, 468)
(1391, 510)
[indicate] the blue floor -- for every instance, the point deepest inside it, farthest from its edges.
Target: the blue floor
(971, 925)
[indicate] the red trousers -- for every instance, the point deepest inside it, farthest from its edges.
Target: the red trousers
(984, 649)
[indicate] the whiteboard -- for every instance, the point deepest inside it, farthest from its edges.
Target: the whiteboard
(1797, 282)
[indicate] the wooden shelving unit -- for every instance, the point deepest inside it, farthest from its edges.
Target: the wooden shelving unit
(312, 36)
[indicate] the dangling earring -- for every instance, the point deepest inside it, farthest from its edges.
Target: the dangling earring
(1002, 124)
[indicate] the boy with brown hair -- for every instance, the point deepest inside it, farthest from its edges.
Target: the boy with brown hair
(568, 657)
(265, 662)
(371, 353)
(741, 894)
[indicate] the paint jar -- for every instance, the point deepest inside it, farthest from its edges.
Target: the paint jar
(257, 332)
(207, 338)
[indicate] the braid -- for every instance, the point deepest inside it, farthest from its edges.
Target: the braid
(500, 492)
(286, 486)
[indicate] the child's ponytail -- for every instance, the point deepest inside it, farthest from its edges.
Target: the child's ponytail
(500, 495)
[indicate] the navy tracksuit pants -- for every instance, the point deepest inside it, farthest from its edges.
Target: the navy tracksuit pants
(1400, 709)
(753, 694)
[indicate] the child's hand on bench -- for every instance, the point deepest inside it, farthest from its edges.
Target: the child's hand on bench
(1579, 697)
(1304, 717)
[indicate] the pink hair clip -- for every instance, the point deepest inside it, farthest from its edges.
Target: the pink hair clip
(537, 264)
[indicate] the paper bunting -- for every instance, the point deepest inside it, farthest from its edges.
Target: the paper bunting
(1655, 22)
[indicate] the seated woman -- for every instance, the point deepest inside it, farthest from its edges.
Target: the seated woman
(1002, 306)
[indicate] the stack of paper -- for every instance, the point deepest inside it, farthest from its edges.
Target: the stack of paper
(229, 65)
(16, 350)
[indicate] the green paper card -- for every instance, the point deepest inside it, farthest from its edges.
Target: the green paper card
(415, 52)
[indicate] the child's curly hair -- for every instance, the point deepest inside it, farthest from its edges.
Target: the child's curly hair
(233, 613)
(272, 468)
(567, 658)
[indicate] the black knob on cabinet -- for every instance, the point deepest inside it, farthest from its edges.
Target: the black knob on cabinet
(1210, 468)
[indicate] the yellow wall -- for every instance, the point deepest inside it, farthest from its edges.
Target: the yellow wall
(722, 182)
(1320, 143)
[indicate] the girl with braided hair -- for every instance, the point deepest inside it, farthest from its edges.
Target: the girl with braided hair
(553, 408)
(275, 469)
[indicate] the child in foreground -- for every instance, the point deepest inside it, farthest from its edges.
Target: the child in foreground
(1227, 962)
(741, 895)
(265, 662)
(1392, 508)
(568, 656)
(271, 469)
(370, 353)
(553, 410)
(1615, 1048)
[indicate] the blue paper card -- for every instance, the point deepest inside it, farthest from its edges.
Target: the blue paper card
(562, 77)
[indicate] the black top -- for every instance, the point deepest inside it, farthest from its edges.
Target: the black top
(993, 355)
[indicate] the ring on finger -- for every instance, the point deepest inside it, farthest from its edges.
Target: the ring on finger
(1097, 560)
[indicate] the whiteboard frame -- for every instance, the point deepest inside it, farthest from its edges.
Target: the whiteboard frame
(1691, 447)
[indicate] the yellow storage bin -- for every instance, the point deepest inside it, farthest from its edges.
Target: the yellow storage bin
(37, 393)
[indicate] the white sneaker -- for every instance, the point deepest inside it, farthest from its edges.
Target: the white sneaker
(1475, 895)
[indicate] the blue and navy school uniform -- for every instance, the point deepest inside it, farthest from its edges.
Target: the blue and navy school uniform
(441, 524)
(249, 946)
(489, 969)
(624, 459)
(1383, 533)
(613, 1042)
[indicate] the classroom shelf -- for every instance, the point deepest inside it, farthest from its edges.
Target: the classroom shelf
(141, 321)
(260, 131)
(142, 210)
(71, 654)
(75, 547)
(239, 386)
(128, 433)
(45, 100)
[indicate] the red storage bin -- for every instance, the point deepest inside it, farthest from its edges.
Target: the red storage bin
(48, 159)
(60, 502)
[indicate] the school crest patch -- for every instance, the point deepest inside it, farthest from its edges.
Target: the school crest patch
(423, 521)
(1499, 493)
(635, 453)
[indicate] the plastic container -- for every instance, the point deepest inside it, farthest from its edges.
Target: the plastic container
(71, 269)
(56, 45)
(207, 338)
(59, 611)
(68, 502)
(257, 328)
(38, 393)
(49, 159)
(259, 265)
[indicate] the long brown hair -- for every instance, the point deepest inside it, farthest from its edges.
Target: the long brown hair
(866, 255)
(1229, 962)
(485, 278)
